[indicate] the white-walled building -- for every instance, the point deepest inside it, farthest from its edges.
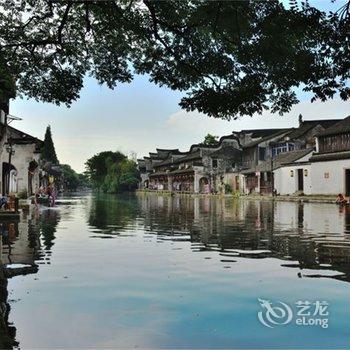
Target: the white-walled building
(20, 170)
(330, 165)
(323, 172)
(292, 174)
(311, 159)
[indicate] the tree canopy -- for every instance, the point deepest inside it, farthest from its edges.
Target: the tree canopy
(48, 152)
(112, 172)
(210, 140)
(73, 180)
(229, 58)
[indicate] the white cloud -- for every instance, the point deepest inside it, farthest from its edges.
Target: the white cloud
(195, 124)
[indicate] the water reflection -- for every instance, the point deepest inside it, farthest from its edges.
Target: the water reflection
(30, 240)
(109, 215)
(46, 225)
(306, 236)
(7, 330)
(176, 265)
(23, 245)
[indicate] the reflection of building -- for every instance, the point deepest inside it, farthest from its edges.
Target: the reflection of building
(18, 246)
(7, 330)
(23, 244)
(314, 235)
(27, 241)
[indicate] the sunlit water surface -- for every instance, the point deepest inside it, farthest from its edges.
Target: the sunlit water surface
(147, 271)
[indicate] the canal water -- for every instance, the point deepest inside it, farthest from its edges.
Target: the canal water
(149, 271)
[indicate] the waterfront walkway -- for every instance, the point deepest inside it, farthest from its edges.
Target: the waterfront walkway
(292, 198)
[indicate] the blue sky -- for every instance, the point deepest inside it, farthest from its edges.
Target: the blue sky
(140, 116)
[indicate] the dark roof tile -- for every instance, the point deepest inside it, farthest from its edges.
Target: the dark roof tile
(339, 128)
(322, 157)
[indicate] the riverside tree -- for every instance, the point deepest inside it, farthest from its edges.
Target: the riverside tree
(72, 179)
(112, 172)
(229, 58)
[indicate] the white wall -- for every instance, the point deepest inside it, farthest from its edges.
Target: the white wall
(285, 184)
(24, 154)
(335, 182)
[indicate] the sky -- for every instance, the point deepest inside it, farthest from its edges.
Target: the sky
(140, 116)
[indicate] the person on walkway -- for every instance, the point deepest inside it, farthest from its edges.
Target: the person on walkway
(341, 199)
(50, 192)
(37, 196)
(3, 201)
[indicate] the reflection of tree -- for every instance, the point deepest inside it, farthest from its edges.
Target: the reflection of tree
(47, 223)
(111, 210)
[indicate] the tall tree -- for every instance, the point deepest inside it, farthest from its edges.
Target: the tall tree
(229, 58)
(48, 151)
(97, 166)
(112, 172)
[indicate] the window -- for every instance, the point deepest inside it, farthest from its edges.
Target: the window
(262, 153)
(214, 163)
(282, 148)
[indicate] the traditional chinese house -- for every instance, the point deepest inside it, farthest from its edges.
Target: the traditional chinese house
(330, 164)
(203, 169)
(20, 162)
(273, 147)
(263, 161)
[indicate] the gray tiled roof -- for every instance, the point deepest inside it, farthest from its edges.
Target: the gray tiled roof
(229, 152)
(339, 128)
(188, 157)
(280, 160)
(260, 132)
(19, 136)
(307, 125)
(322, 157)
(266, 138)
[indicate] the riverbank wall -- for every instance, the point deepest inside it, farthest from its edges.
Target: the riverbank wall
(303, 199)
